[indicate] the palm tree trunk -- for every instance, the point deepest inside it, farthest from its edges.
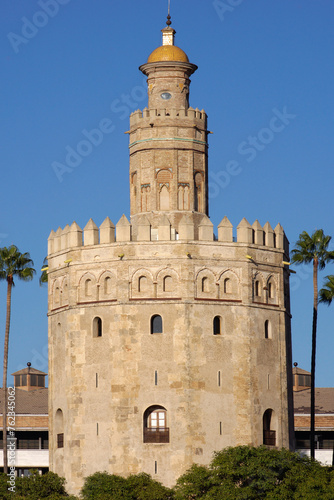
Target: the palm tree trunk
(4, 383)
(314, 342)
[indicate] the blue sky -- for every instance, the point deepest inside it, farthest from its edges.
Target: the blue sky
(67, 65)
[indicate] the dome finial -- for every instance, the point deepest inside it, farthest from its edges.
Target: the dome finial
(168, 22)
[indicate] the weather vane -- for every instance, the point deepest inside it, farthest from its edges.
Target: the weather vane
(168, 22)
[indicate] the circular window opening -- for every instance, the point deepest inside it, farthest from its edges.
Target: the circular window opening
(166, 96)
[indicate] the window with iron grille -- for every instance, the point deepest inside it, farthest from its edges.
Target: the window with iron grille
(155, 425)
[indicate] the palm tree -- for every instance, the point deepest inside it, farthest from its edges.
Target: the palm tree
(326, 295)
(12, 264)
(313, 249)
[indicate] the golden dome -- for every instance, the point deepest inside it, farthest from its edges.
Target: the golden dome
(168, 53)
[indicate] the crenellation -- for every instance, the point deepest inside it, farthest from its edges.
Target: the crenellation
(64, 238)
(244, 232)
(225, 230)
(205, 229)
(91, 233)
(143, 229)
(57, 240)
(51, 242)
(186, 228)
(279, 236)
(164, 228)
(269, 235)
(258, 233)
(159, 228)
(123, 229)
(186, 117)
(191, 113)
(107, 231)
(75, 236)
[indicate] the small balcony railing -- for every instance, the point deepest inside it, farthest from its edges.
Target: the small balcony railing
(156, 435)
(269, 438)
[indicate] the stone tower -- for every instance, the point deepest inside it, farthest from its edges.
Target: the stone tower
(166, 341)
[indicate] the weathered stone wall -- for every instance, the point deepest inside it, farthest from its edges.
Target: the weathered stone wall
(215, 388)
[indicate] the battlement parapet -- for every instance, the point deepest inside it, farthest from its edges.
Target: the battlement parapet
(73, 236)
(192, 115)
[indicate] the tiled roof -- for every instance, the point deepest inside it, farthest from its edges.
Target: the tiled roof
(27, 370)
(324, 400)
(32, 402)
(299, 371)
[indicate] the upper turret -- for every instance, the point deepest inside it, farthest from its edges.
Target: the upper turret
(168, 70)
(168, 142)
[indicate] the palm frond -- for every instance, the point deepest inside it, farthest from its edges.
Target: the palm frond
(14, 263)
(311, 247)
(44, 276)
(326, 293)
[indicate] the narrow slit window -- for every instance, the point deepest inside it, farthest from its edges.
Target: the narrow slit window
(267, 329)
(217, 325)
(219, 378)
(155, 377)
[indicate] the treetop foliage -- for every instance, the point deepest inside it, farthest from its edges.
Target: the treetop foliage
(250, 473)
(240, 473)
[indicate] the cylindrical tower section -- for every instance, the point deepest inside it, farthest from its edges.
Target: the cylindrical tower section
(168, 142)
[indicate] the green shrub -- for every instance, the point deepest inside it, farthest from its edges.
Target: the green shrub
(104, 486)
(49, 486)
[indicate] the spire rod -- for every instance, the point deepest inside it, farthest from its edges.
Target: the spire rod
(168, 22)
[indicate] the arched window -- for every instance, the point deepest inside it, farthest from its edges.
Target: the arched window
(269, 435)
(88, 287)
(267, 329)
(257, 288)
(164, 198)
(270, 290)
(227, 285)
(97, 327)
(134, 183)
(168, 284)
(57, 295)
(107, 285)
(155, 425)
(198, 192)
(205, 285)
(156, 324)
(142, 284)
(217, 325)
(65, 294)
